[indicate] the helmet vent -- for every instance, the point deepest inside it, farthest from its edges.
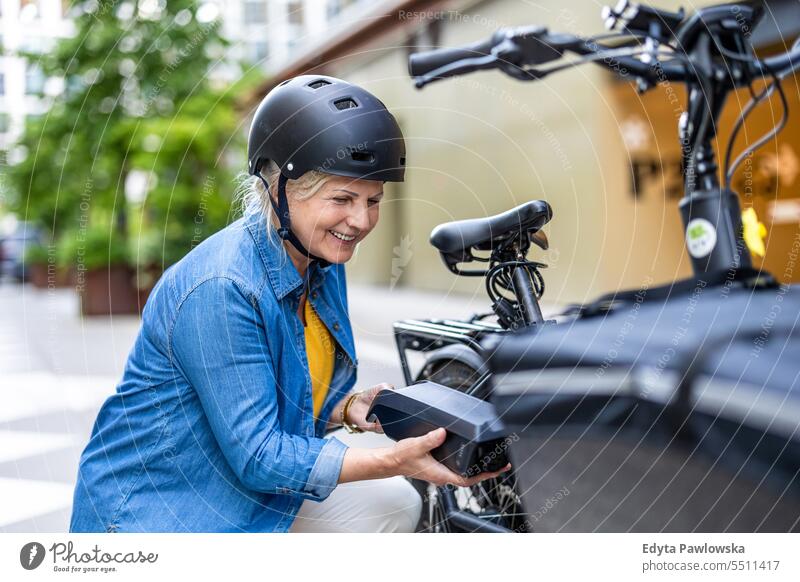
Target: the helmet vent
(367, 157)
(318, 83)
(346, 103)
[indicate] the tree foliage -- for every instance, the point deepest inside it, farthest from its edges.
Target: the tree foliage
(143, 137)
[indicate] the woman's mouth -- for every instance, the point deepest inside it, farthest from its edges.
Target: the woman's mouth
(345, 239)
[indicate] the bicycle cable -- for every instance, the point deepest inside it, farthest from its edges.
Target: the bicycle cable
(499, 278)
(609, 54)
(776, 84)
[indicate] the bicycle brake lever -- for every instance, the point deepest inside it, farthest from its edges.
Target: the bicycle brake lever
(526, 47)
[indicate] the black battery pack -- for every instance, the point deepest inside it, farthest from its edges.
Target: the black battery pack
(476, 440)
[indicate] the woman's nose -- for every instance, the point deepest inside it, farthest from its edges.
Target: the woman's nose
(359, 219)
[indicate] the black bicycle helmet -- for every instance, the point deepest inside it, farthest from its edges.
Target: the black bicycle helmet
(314, 122)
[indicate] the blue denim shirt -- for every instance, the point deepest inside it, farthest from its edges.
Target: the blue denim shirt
(211, 427)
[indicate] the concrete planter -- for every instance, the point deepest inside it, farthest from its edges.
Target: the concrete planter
(37, 275)
(109, 291)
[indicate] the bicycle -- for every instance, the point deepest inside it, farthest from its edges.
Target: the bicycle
(710, 52)
(515, 285)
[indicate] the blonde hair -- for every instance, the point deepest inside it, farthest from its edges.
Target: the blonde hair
(255, 198)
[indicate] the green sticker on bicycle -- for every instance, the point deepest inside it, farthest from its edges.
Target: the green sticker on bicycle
(701, 237)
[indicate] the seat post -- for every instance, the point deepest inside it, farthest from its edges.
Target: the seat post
(523, 288)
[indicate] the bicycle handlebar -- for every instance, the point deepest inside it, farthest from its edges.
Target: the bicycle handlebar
(513, 49)
(422, 63)
(507, 49)
(518, 51)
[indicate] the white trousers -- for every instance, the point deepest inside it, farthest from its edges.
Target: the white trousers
(374, 506)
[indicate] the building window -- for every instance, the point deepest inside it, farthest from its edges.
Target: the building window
(34, 80)
(258, 51)
(2, 83)
(255, 12)
(33, 44)
(295, 13)
(71, 9)
(28, 10)
(335, 7)
(4, 122)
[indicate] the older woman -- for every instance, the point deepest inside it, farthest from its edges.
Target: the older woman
(245, 358)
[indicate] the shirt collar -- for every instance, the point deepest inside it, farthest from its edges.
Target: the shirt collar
(283, 275)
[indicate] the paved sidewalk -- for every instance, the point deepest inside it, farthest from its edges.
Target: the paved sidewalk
(55, 372)
(56, 369)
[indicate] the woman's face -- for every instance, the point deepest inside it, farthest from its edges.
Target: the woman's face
(332, 222)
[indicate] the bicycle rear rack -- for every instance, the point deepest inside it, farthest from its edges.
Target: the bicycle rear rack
(426, 335)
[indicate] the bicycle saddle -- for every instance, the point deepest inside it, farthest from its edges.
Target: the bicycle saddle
(455, 238)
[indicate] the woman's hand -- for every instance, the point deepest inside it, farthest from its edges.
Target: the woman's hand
(357, 413)
(408, 457)
(412, 458)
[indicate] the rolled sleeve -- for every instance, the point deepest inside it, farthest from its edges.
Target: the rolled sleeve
(219, 344)
(325, 473)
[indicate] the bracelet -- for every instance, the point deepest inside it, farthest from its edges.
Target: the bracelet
(351, 428)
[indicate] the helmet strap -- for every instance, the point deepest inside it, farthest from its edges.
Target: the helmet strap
(281, 208)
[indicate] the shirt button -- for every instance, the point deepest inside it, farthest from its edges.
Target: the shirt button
(336, 327)
(313, 295)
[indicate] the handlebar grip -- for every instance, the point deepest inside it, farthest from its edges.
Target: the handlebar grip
(424, 62)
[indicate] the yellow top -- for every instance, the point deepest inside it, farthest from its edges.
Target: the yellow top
(321, 356)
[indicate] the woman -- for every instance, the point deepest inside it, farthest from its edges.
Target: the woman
(245, 357)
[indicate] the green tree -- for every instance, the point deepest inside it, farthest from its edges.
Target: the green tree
(144, 94)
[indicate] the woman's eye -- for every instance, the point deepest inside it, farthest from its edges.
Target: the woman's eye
(374, 202)
(341, 200)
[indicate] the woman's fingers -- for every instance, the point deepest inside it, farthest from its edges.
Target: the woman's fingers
(373, 427)
(415, 452)
(448, 477)
(430, 441)
(414, 458)
(367, 396)
(357, 413)
(483, 476)
(372, 392)
(434, 472)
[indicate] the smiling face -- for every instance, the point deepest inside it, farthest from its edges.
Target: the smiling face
(335, 219)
